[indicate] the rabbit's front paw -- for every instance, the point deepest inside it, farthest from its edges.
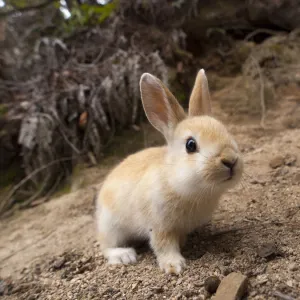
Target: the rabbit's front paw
(121, 256)
(172, 264)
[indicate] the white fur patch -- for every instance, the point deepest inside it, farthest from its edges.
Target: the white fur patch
(172, 263)
(120, 256)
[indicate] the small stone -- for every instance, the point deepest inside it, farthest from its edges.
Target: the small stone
(232, 287)
(267, 250)
(226, 271)
(189, 293)
(226, 262)
(149, 295)
(211, 284)
(297, 178)
(58, 264)
(289, 283)
(293, 267)
(157, 289)
(136, 128)
(2, 287)
(262, 279)
(276, 162)
(255, 181)
(290, 160)
(282, 171)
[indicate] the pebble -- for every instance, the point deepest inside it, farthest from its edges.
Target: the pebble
(289, 283)
(226, 271)
(212, 283)
(282, 171)
(157, 289)
(262, 279)
(267, 250)
(297, 178)
(58, 264)
(293, 267)
(2, 287)
(290, 160)
(276, 162)
(232, 287)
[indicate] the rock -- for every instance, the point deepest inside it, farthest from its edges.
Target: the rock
(277, 162)
(134, 286)
(232, 287)
(293, 267)
(157, 289)
(267, 250)
(282, 171)
(212, 283)
(2, 287)
(256, 181)
(226, 271)
(189, 293)
(59, 263)
(261, 279)
(297, 178)
(290, 283)
(282, 296)
(290, 160)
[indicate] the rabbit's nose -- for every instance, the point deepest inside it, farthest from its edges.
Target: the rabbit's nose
(229, 163)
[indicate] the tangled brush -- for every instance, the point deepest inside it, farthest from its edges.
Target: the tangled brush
(269, 65)
(75, 111)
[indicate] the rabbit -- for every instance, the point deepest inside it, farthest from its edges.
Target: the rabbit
(164, 193)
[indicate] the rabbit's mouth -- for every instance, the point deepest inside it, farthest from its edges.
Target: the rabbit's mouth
(231, 174)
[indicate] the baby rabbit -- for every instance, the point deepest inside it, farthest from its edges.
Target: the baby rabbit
(164, 193)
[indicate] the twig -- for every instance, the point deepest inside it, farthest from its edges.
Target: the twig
(283, 296)
(77, 151)
(262, 92)
(37, 193)
(262, 30)
(8, 199)
(53, 189)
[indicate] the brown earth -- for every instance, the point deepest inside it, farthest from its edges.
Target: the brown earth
(51, 251)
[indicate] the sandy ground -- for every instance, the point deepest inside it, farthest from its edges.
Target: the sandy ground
(51, 251)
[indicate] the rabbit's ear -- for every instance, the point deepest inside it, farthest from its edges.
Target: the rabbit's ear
(200, 103)
(161, 107)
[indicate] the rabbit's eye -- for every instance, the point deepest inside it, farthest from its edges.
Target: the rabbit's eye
(191, 145)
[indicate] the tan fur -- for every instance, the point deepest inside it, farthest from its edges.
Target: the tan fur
(161, 107)
(163, 193)
(200, 97)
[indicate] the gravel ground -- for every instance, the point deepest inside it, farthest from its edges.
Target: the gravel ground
(51, 251)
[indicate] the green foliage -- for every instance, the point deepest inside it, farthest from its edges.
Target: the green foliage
(178, 3)
(3, 110)
(86, 15)
(21, 4)
(17, 3)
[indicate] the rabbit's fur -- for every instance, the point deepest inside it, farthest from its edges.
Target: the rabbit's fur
(164, 193)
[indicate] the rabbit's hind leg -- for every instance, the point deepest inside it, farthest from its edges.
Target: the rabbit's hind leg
(112, 239)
